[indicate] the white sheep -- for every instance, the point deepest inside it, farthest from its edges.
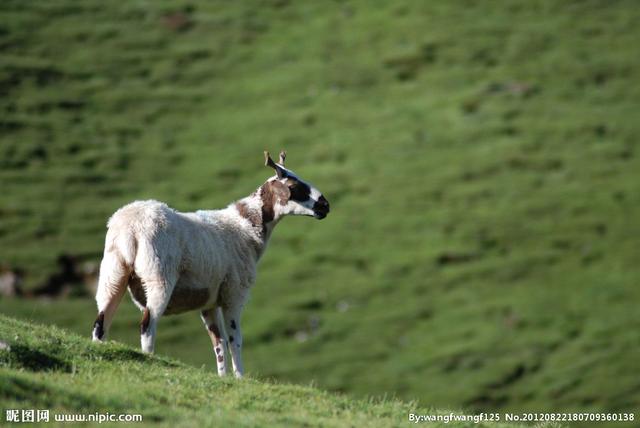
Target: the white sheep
(173, 262)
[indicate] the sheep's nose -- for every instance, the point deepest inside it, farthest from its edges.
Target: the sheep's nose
(321, 207)
(322, 201)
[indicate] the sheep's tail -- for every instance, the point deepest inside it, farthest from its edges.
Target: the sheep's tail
(115, 270)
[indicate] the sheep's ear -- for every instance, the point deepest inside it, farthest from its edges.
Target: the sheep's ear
(283, 156)
(269, 162)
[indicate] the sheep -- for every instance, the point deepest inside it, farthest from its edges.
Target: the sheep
(172, 262)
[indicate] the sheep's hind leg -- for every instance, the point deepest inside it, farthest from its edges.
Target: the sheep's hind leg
(147, 331)
(215, 330)
(158, 294)
(112, 285)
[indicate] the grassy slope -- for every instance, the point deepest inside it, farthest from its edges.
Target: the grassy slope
(502, 132)
(48, 368)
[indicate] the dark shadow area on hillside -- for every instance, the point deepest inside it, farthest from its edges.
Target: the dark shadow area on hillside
(22, 389)
(132, 355)
(42, 395)
(407, 67)
(34, 360)
(494, 395)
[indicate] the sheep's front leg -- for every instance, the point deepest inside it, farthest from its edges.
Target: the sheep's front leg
(231, 316)
(215, 330)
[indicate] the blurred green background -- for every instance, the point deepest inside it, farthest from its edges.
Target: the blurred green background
(481, 160)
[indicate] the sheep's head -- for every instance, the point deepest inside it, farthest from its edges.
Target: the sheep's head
(290, 194)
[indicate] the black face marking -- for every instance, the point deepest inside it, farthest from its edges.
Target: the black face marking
(233, 324)
(300, 191)
(98, 326)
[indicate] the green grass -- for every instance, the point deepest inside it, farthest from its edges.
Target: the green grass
(481, 159)
(49, 368)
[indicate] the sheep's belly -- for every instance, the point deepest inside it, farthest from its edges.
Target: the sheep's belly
(184, 298)
(187, 299)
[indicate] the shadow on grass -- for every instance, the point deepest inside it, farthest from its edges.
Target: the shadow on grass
(120, 354)
(35, 360)
(42, 393)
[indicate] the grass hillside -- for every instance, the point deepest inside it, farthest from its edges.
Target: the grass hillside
(49, 368)
(481, 160)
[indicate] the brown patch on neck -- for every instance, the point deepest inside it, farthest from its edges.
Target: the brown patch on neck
(272, 193)
(268, 202)
(253, 216)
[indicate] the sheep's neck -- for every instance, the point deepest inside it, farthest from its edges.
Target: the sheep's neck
(262, 216)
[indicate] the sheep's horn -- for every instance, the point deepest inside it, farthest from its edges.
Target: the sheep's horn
(269, 162)
(283, 156)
